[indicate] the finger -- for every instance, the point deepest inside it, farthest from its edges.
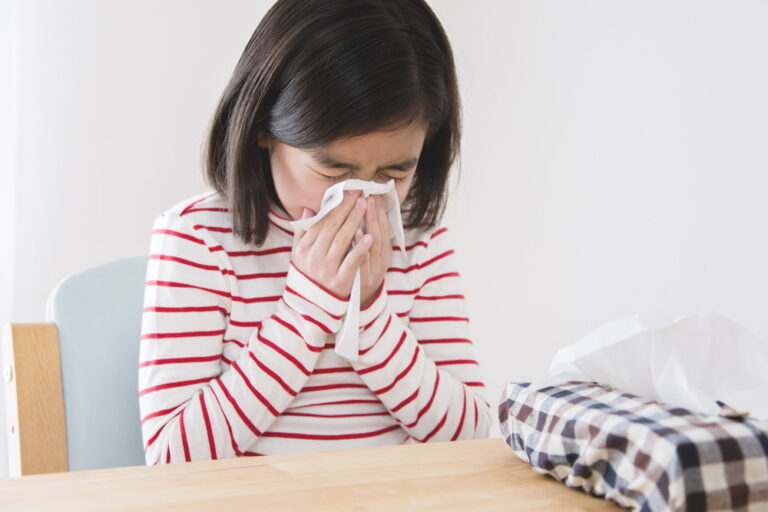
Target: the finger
(343, 239)
(371, 229)
(386, 231)
(354, 259)
(365, 265)
(372, 225)
(330, 224)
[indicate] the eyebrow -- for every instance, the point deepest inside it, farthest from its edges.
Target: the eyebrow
(327, 160)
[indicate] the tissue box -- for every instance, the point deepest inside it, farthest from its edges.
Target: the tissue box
(639, 453)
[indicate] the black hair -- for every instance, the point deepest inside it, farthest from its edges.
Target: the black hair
(315, 71)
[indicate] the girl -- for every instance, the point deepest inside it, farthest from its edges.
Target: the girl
(241, 312)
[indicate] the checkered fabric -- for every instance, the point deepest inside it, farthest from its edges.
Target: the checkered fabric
(639, 453)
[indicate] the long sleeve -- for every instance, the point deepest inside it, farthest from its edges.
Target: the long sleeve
(422, 367)
(195, 404)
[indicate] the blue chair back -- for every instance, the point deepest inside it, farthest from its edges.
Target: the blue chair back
(98, 316)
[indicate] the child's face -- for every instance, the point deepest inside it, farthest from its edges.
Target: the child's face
(301, 177)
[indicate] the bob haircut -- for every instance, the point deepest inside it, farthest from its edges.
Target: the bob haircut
(315, 71)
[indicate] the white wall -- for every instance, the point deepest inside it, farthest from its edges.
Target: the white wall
(623, 147)
(614, 154)
(114, 99)
(8, 144)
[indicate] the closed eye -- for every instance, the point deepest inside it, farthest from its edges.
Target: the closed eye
(346, 175)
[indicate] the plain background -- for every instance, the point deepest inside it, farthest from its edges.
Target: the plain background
(615, 155)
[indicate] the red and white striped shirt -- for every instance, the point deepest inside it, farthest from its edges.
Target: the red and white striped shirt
(237, 347)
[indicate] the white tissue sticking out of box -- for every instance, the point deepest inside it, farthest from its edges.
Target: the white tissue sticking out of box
(347, 341)
(691, 362)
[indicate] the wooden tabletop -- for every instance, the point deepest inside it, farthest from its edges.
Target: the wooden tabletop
(463, 475)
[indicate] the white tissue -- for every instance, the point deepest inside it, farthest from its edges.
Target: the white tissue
(689, 362)
(347, 343)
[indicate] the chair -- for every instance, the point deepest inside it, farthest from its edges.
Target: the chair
(72, 384)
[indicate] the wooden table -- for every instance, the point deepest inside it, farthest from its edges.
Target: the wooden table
(463, 475)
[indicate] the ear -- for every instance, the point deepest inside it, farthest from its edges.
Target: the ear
(263, 140)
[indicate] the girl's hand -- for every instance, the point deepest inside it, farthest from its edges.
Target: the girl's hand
(376, 260)
(321, 252)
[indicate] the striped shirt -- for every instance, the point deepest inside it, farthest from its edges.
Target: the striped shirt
(237, 347)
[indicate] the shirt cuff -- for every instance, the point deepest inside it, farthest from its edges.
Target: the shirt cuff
(370, 335)
(374, 309)
(310, 298)
(387, 335)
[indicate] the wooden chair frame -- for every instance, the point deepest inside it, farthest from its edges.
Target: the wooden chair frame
(34, 400)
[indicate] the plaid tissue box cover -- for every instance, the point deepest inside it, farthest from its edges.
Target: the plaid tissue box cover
(640, 453)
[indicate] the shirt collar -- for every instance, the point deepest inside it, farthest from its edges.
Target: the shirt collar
(280, 218)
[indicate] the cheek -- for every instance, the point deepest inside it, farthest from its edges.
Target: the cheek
(307, 193)
(313, 195)
(295, 190)
(402, 190)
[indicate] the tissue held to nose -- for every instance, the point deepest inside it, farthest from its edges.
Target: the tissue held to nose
(336, 203)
